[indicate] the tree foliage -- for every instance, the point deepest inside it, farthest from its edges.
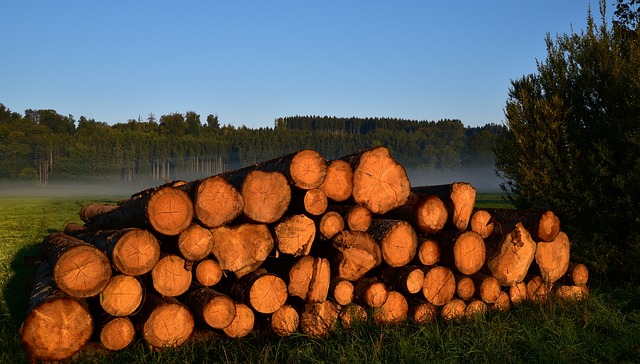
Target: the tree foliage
(573, 141)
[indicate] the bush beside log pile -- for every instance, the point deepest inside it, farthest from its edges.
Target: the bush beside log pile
(291, 244)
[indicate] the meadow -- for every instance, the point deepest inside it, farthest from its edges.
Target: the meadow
(604, 328)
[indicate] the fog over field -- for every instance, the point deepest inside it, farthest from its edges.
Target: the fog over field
(483, 178)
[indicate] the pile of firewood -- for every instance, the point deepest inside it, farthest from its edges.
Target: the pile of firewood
(291, 244)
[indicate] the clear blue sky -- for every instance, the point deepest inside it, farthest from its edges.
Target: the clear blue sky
(250, 62)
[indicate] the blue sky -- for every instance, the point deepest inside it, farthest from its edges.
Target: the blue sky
(250, 62)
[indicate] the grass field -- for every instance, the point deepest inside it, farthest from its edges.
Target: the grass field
(605, 328)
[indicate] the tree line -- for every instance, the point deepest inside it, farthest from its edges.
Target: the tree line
(45, 146)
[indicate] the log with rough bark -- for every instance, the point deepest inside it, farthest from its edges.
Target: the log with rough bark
(131, 251)
(407, 279)
(439, 285)
(428, 251)
(216, 201)
(319, 319)
(482, 223)
(285, 321)
(211, 307)
(370, 292)
(164, 321)
(394, 310)
(459, 197)
(398, 241)
(352, 314)
(117, 333)
(57, 325)
(330, 224)
(122, 296)
(208, 272)
(170, 276)
(79, 268)
(243, 248)
(262, 291)
(295, 235)
(577, 275)
(342, 291)
(465, 251)
(195, 242)
(338, 182)
(422, 312)
(427, 213)
(357, 253)
(453, 310)
(379, 182)
(509, 256)
(552, 258)
(309, 279)
(166, 210)
(91, 211)
(543, 225)
(242, 324)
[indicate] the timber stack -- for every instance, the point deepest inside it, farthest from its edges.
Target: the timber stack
(294, 244)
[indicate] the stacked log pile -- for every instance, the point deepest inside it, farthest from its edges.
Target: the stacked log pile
(292, 244)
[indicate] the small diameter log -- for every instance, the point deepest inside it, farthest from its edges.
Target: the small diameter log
(398, 241)
(503, 303)
(379, 182)
(422, 312)
(213, 308)
(371, 292)
(305, 169)
(572, 293)
(295, 234)
(195, 243)
(315, 202)
(319, 319)
(518, 293)
(330, 224)
(427, 213)
(166, 210)
(117, 333)
(241, 249)
(91, 211)
(122, 296)
(459, 197)
(357, 254)
(338, 182)
(482, 223)
(465, 288)
(352, 314)
(439, 285)
(262, 291)
(406, 279)
(285, 321)
(487, 287)
(465, 250)
(342, 291)
(475, 308)
(553, 258)
(170, 277)
(79, 268)
(216, 201)
(537, 290)
(57, 325)
(208, 272)
(453, 310)
(165, 322)
(394, 311)
(242, 324)
(577, 275)
(356, 217)
(428, 251)
(309, 279)
(510, 255)
(266, 196)
(543, 225)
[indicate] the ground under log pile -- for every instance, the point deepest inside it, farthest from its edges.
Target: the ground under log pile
(294, 244)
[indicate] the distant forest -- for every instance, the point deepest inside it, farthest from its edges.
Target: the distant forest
(44, 146)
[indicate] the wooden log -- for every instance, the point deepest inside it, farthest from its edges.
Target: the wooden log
(577, 275)
(295, 235)
(553, 257)
(208, 272)
(487, 287)
(357, 254)
(117, 333)
(262, 291)
(309, 279)
(543, 225)
(122, 296)
(422, 312)
(503, 303)
(79, 268)
(170, 276)
(459, 197)
(352, 314)
(342, 291)
(305, 169)
(285, 321)
(482, 223)
(211, 307)
(371, 292)
(91, 211)
(195, 242)
(315, 202)
(510, 255)
(394, 311)
(266, 196)
(407, 279)
(571, 293)
(428, 251)
(518, 293)
(426, 213)
(216, 202)
(319, 318)
(131, 251)
(338, 182)
(330, 224)
(465, 251)
(465, 288)
(439, 285)
(164, 322)
(357, 217)
(57, 325)
(379, 182)
(166, 210)
(453, 310)
(241, 249)
(242, 324)
(538, 290)
(398, 241)
(475, 308)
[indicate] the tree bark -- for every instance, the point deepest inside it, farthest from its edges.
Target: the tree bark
(338, 182)
(122, 296)
(398, 241)
(426, 213)
(459, 197)
(92, 211)
(262, 291)
(510, 255)
(439, 285)
(211, 307)
(241, 249)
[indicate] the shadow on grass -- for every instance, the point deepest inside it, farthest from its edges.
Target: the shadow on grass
(18, 289)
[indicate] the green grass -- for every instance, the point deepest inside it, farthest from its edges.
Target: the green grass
(605, 328)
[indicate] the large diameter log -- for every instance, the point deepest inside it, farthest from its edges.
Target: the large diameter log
(215, 201)
(379, 182)
(295, 234)
(330, 224)
(459, 197)
(394, 311)
(241, 249)
(319, 319)
(242, 324)
(310, 279)
(552, 258)
(509, 257)
(132, 251)
(170, 276)
(208, 272)
(262, 291)
(357, 254)
(398, 241)
(79, 268)
(427, 213)
(166, 210)
(266, 196)
(195, 243)
(338, 182)
(165, 322)
(91, 211)
(215, 309)
(482, 223)
(543, 225)
(439, 285)
(57, 325)
(122, 296)
(117, 333)
(285, 321)
(467, 250)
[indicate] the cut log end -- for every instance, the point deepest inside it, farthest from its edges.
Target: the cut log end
(424, 312)
(548, 226)
(136, 252)
(338, 182)
(117, 334)
(431, 215)
(295, 235)
(308, 169)
(208, 272)
(266, 196)
(170, 211)
(122, 296)
(83, 271)
(315, 202)
(242, 324)
(285, 321)
(439, 285)
(217, 202)
(169, 325)
(195, 243)
(330, 224)
(469, 252)
(481, 223)
(429, 252)
(170, 277)
(394, 311)
(268, 293)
